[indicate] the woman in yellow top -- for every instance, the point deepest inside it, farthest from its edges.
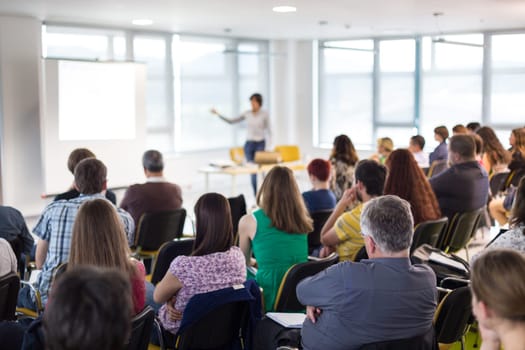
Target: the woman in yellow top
(276, 232)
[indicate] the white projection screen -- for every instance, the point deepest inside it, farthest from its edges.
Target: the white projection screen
(96, 105)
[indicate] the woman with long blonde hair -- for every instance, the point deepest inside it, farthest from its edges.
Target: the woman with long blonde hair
(276, 232)
(99, 239)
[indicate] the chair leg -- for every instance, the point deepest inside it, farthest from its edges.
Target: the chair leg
(466, 253)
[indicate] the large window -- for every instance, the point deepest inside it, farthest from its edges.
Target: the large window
(186, 77)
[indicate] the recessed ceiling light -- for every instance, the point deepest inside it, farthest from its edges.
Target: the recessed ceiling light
(284, 9)
(142, 22)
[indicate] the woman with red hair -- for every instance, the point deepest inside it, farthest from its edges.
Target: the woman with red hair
(406, 180)
(320, 197)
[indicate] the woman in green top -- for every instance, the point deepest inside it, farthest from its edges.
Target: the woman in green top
(276, 232)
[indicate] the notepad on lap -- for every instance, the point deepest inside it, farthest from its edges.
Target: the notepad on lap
(288, 320)
(443, 260)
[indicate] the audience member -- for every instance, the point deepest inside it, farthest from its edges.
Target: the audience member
(464, 186)
(343, 158)
(99, 239)
(406, 180)
(342, 231)
(55, 226)
(495, 157)
(156, 194)
(498, 291)
(382, 298)
(90, 309)
(277, 231)
(385, 146)
(214, 264)
(75, 157)
(473, 127)
(517, 136)
(13, 229)
(478, 141)
(498, 210)
(416, 145)
(459, 129)
(8, 260)
(441, 151)
(320, 197)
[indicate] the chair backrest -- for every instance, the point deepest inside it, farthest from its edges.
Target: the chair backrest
(159, 227)
(9, 286)
(238, 210)
(289, 153)
(141, 326)
(497, 182)
(437, 167)
(426, 341)
(237, 155)
(314, 237)
(218, 329)
(361, 254)
(167, 252)
(460, 230)
(428, 232)
(286, 299)
(453, 315)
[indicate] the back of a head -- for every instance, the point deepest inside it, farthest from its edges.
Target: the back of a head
(89, 308)
(459, 129)
(98, 237)
(280, 199)
(518, 209)
(319, 168)
(76, 156)
(464, 146)
(386, 143)
(418, 140)
(490, 140)
(90, 176)
(388, 220)
(442, 131)
(497, 280)
(372, 175)
(213, 225)
(344, 150)
(152, 161)
(473, 126)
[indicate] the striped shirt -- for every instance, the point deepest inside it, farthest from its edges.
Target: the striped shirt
(348, 230)
(56, 227)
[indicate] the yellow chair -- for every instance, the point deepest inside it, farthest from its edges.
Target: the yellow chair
(237, 155)
(289, 153)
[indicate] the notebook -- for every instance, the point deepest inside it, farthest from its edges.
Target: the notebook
(288, 320)
(443, 260)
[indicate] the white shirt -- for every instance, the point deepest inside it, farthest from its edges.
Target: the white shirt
(421, 159)
(8, 260)
(258, 124)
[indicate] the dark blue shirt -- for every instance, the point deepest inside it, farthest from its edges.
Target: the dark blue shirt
(12, 226)
(439, 153)
(319, 200)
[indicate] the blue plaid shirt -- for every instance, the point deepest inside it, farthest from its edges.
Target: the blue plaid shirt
(56, 227)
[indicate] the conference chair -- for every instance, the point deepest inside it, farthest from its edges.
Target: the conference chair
(428, 232)
(141, 327)
(156, 228)
(25, 313)
(237, 155)
(453, 316)
(462, 228)
(289, 153)
(437, 167)
(497, 182)
(286, 299)
(314, 238)
(426, 341)
(9, 286)
(361, 254)
(167, 253)
(238, 210)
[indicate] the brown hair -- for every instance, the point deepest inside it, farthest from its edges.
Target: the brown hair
(478, 141)
(281, 200)
(90, 176)
(463, 145)
(493, 147)
(76, 156)
(497, 280)
(406, 180)
(460, 129)
(519, 135)
(344, 150)
(213, 225)
(99, 238)
(442, 131)
(517, 216)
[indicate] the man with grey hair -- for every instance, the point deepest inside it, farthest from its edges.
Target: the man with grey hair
(378, 299)
(156, 194)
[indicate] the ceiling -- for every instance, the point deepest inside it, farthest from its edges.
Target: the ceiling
(254, 18)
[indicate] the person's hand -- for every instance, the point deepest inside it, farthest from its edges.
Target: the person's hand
(312, 313)
(214, 111)
(491, 340)
(325, 251)
(349, 196)
(173, 314)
